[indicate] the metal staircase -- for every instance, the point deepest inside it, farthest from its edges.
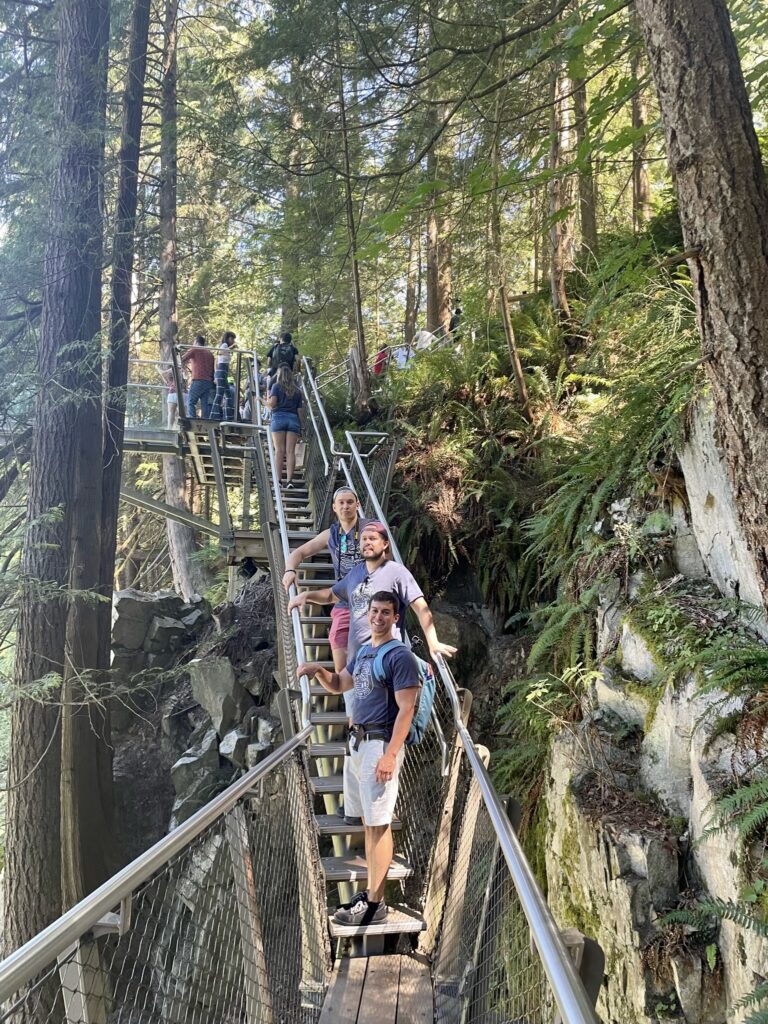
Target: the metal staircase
(226, 919)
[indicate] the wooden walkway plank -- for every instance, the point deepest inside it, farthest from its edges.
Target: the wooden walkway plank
(379, 1002)
(414, 1002)
(343, 999)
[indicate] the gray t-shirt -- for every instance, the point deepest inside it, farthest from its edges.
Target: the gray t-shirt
(359, 586)
(375, 702)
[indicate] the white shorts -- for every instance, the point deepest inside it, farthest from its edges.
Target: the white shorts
(364, 797)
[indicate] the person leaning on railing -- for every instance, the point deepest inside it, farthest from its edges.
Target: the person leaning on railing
(384, 709)
(375, 573)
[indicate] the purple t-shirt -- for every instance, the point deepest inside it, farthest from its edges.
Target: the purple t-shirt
(375, 702)
(345, 550)
(359, 586)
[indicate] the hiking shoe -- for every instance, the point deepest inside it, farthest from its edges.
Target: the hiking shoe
(361, 913)
(357, 898)
(350, 819)
(289, 486)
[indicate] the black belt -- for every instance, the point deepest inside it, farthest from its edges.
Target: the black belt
(369, 732)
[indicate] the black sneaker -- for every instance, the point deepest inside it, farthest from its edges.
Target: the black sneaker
(357, 898)
(350, 819)
(361, 914)
(289, 486)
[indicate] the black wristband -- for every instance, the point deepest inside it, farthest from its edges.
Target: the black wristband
(290, 570)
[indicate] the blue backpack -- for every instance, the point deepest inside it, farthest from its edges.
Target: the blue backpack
(427, 686)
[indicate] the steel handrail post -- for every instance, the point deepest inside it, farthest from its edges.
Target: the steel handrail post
(41, 951)
(314, 427)
(298, 637)
(372, 493)
(323, 415)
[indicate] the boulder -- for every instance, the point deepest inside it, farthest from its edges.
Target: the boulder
(215, 688)
(610, 691)
(233, 746)
(164, 634)
(636, 657)
(203, 785)
(126, 663)
(685, 551)
(255, 753)
(132, 612)
(202, 756)
(194, 620)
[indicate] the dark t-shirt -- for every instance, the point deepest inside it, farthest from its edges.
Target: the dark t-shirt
(287, 356)
(286, 403)
(375, 702)
(359, 586)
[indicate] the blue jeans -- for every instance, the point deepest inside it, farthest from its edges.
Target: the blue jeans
(200, 391)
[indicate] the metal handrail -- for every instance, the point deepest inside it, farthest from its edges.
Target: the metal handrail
(567, 988)
(298, 636)
(36, 955)
(332, 450)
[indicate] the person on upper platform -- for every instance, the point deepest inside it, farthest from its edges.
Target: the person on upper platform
(199, 359)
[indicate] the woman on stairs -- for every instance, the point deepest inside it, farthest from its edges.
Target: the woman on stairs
(343, 542)
(285, 401)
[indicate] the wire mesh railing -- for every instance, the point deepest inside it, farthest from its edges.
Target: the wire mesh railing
(210, 924)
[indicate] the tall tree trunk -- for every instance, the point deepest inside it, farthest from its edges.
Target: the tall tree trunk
(500, 281)
(291, 257)
(69, 394)
(123, 247)
(433, 251)
(412, 284)
(360, 381)
(641, 188)
(587, 198)
(439, 248)
(188, 577)
(561, 195)
(720, 180)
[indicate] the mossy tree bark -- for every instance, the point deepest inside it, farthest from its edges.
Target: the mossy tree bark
(720, 180)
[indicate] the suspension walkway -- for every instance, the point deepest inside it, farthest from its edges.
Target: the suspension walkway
(228, 918)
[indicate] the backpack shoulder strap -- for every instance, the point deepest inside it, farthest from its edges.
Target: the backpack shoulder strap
(378, 661)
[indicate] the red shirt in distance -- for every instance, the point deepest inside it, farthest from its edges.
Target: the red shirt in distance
(201, 361)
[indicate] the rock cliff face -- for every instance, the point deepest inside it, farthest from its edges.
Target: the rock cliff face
(194, 710)
(631, 788)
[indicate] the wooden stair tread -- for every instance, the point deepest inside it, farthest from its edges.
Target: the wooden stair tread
(328, 718)
(334, 825)
(352, 868)
(398, 921)
(323, 785)
(338, 749)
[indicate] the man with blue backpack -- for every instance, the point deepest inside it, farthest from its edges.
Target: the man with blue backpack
(388, 681)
